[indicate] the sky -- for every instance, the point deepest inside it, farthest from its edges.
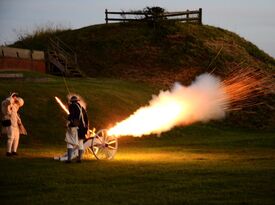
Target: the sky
(252, 19)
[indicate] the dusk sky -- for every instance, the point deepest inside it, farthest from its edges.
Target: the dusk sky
(252, 19)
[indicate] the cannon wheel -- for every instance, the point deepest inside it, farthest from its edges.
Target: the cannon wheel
(104, 146)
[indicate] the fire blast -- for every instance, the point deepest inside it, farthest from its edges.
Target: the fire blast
(180, 106)
(207, 98)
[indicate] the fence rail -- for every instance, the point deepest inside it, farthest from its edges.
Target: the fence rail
(183, 16)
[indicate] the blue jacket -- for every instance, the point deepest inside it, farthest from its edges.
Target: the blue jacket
(77, 120)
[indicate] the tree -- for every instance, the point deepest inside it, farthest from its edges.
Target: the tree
(154, 13)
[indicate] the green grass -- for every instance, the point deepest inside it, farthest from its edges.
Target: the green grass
(192, 165)
(198, 164)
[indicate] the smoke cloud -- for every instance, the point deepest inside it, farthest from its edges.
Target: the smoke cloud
(204, 100)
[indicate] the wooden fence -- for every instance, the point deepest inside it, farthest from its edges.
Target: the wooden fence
(183, 16)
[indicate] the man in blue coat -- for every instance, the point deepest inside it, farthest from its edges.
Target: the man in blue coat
(78, 126)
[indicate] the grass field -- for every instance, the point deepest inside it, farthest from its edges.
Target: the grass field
(198, 164)
(192, 165)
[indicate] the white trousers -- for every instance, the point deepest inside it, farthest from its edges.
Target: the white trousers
(13, 139)
(72, 139)
(80, 145)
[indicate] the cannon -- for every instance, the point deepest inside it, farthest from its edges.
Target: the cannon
(99, 144)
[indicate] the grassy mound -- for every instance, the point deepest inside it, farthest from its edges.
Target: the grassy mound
(164, 54)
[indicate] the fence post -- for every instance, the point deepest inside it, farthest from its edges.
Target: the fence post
(32, 67)
(200, 15)
(187, 16)
(106, 16)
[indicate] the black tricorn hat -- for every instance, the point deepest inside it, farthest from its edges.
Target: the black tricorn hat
(74, 99)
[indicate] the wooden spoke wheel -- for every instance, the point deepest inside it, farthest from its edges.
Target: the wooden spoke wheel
(104, 146)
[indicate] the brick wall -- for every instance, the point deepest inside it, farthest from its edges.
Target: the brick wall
(21, 59)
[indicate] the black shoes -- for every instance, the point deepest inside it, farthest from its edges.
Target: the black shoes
(70, 161)
(8, 154)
